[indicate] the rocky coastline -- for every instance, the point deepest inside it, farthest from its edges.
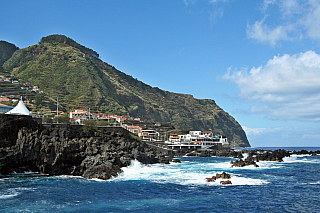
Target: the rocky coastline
(253, 156)
(60, 149)
(27, 146)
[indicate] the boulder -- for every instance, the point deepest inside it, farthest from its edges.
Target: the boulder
(212, 179)
(241, 163)
(225, 182)
(223, 175)
(176, 160)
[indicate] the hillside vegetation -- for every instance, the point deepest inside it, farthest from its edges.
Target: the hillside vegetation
(65, 69)
(6, 51)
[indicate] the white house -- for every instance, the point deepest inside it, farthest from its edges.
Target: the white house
(78, 113)
(148, 134)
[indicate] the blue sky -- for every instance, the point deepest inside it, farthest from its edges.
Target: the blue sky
(258, 59)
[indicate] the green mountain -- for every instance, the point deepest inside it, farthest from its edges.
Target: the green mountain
(6, 51)
(65, 69)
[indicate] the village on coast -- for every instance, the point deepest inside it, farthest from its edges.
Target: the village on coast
(146, 131)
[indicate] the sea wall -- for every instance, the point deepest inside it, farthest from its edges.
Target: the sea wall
(61, 149)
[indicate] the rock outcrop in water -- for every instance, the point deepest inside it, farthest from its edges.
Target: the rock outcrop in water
(223, 175)
(267, 155)
(242, 163)
(26, 145)
(261, 155)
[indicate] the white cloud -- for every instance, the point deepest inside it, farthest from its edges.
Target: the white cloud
(287, 87)
(217, 1)
(290, 7)
(278, 136)
(188, 2)
(215, 8)
(311, 21)
(254, 131)
(296, 19)
(261, 32)
(215, 14)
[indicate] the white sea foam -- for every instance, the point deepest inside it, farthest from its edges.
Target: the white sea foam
(3, 179)
(97, 180)
(240, 180)
(7, 195)
(67, 177)
(194, 173)
(262, 165)
(315, 183)
(220, 165)
(30, 173)
(245, 155)
(181, 174)
(301, 159)
(13, 192)
(269, 165)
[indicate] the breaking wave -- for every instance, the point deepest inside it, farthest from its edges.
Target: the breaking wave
(183, 174)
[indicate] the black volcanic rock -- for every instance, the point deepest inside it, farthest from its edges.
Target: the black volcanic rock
(242, 163)
(10, 126)
(261, 155)
(176, 160)
(68, 150)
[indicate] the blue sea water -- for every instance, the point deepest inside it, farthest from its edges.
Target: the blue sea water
(289, 186)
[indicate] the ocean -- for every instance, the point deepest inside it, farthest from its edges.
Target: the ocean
(289, 186)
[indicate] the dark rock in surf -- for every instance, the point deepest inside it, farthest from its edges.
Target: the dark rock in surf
(223, 175)
(176, 160)
(225, 182)
(241, 163)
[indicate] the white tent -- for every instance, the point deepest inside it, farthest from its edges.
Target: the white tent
(20, 109)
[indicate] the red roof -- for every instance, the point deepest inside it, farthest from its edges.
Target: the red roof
(174, 137)
(4, 105)
(5, 99)
(134, 127)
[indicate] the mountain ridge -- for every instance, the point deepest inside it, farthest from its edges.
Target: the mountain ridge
(62, 67)
(6, 51)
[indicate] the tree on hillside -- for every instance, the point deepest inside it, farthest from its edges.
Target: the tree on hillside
(61, 119)
(37, 99)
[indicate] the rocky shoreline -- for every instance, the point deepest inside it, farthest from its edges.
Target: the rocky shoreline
(253, 156)
(27, 146)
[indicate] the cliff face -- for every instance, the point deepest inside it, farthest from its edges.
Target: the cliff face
(61, 67)
(57, 150)
(6, 51)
